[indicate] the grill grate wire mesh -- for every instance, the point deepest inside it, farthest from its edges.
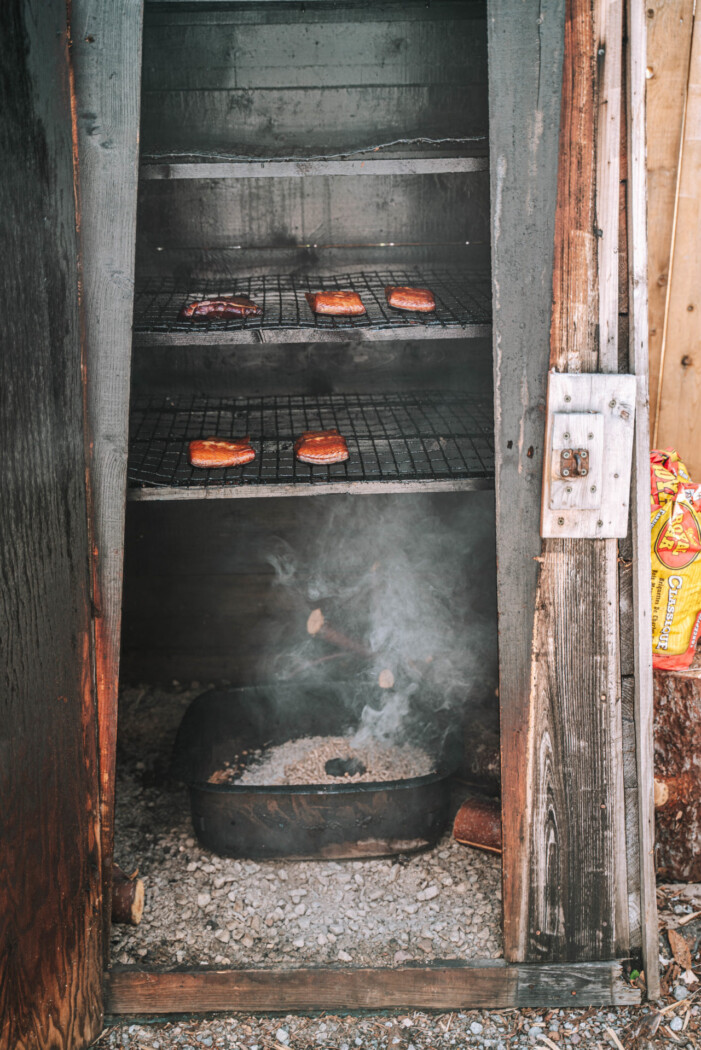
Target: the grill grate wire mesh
(462, 298)
(423, 436)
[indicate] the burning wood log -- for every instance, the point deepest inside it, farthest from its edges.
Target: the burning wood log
(478, 823)
(127, 897)
(678, 773)
(317, 627)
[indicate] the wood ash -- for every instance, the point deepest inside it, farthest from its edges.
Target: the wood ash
(314, 760)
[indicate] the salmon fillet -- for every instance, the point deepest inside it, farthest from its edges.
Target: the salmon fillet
(321, 446)
(402, 297)
(339, 304)
(223, 308)
(221, 452)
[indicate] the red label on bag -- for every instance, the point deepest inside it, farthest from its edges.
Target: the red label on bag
(678, 544)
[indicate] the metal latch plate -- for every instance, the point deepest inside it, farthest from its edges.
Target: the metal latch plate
(592, 414)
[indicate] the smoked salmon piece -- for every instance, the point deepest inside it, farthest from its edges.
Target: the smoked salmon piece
(221, 452)
(224, 308)
(338, 304)
(402, 297)
(321, 446)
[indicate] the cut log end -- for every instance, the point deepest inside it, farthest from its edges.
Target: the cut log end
(315, 621)
(128, 898)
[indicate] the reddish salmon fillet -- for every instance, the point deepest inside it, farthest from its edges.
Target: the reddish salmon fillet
(340, 304)
(224, 308)
(321, 446)
(220, 452)
(402, 297)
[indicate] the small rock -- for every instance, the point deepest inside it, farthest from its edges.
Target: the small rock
(428, 894)
(299, 942)
(535, 1032)
(680, 992)
(222, 935)
(344, 956)
(676, 1024)
(402, 956)
(203, 900)
(476, 1028)
(282, 1035)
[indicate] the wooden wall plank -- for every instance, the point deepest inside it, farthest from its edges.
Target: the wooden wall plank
(438, 987)
(243, 79)
(107, 55)
(669, 24)
(525, 55)
(678, 420)
(314, 211)
(638, 354)
(50, 934)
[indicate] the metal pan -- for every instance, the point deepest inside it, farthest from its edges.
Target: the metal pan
(302, 821)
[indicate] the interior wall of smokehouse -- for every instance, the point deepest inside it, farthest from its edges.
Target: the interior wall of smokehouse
(220, 591)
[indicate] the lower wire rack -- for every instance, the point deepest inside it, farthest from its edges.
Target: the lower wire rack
(440, 437)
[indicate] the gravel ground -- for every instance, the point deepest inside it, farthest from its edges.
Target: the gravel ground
(204, 910)
(497, 1029)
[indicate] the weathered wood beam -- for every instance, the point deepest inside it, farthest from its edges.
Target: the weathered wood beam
(438, 987)
(106, 39)
(638, 364)
(524, 122)
(50, 934)
(576, 900)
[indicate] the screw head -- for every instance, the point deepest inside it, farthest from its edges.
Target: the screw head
(599, 524)
(566, 437)
(567, 397)
(561, 521)
(593, 488)
(590, 436)
(566, 453)
(565, 473)
(584, 453)
(612, 404)
(568, 488)
(584, 473)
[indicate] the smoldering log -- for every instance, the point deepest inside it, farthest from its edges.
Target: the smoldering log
(677, 730)
(128, 898)
(317, 627)
(478, 823)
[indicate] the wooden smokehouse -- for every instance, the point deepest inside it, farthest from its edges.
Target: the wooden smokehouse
(494, 147)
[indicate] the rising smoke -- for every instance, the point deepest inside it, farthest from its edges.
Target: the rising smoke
(411, 581)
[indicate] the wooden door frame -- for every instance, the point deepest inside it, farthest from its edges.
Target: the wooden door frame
(526, 45)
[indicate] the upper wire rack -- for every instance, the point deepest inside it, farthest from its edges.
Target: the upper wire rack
(463, 299)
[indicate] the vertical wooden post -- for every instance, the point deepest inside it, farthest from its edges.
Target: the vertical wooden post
(638, 363)
(567, 889)
(50, 929)
(525, 72)
(106, 37)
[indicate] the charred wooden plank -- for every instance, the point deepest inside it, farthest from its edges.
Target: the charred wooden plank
(50, 941)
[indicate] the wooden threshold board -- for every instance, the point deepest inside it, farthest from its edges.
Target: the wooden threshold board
(310, 335)
(286, 169)
(443, 986)
(331, 488)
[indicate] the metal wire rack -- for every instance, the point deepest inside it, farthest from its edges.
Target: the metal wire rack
(462, 299)
(427, 436)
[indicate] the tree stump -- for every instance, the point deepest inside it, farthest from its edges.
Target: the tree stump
(678, 773)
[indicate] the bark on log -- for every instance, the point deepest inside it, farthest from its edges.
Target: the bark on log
(678, 773)
(478, 823)
(127, 898)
